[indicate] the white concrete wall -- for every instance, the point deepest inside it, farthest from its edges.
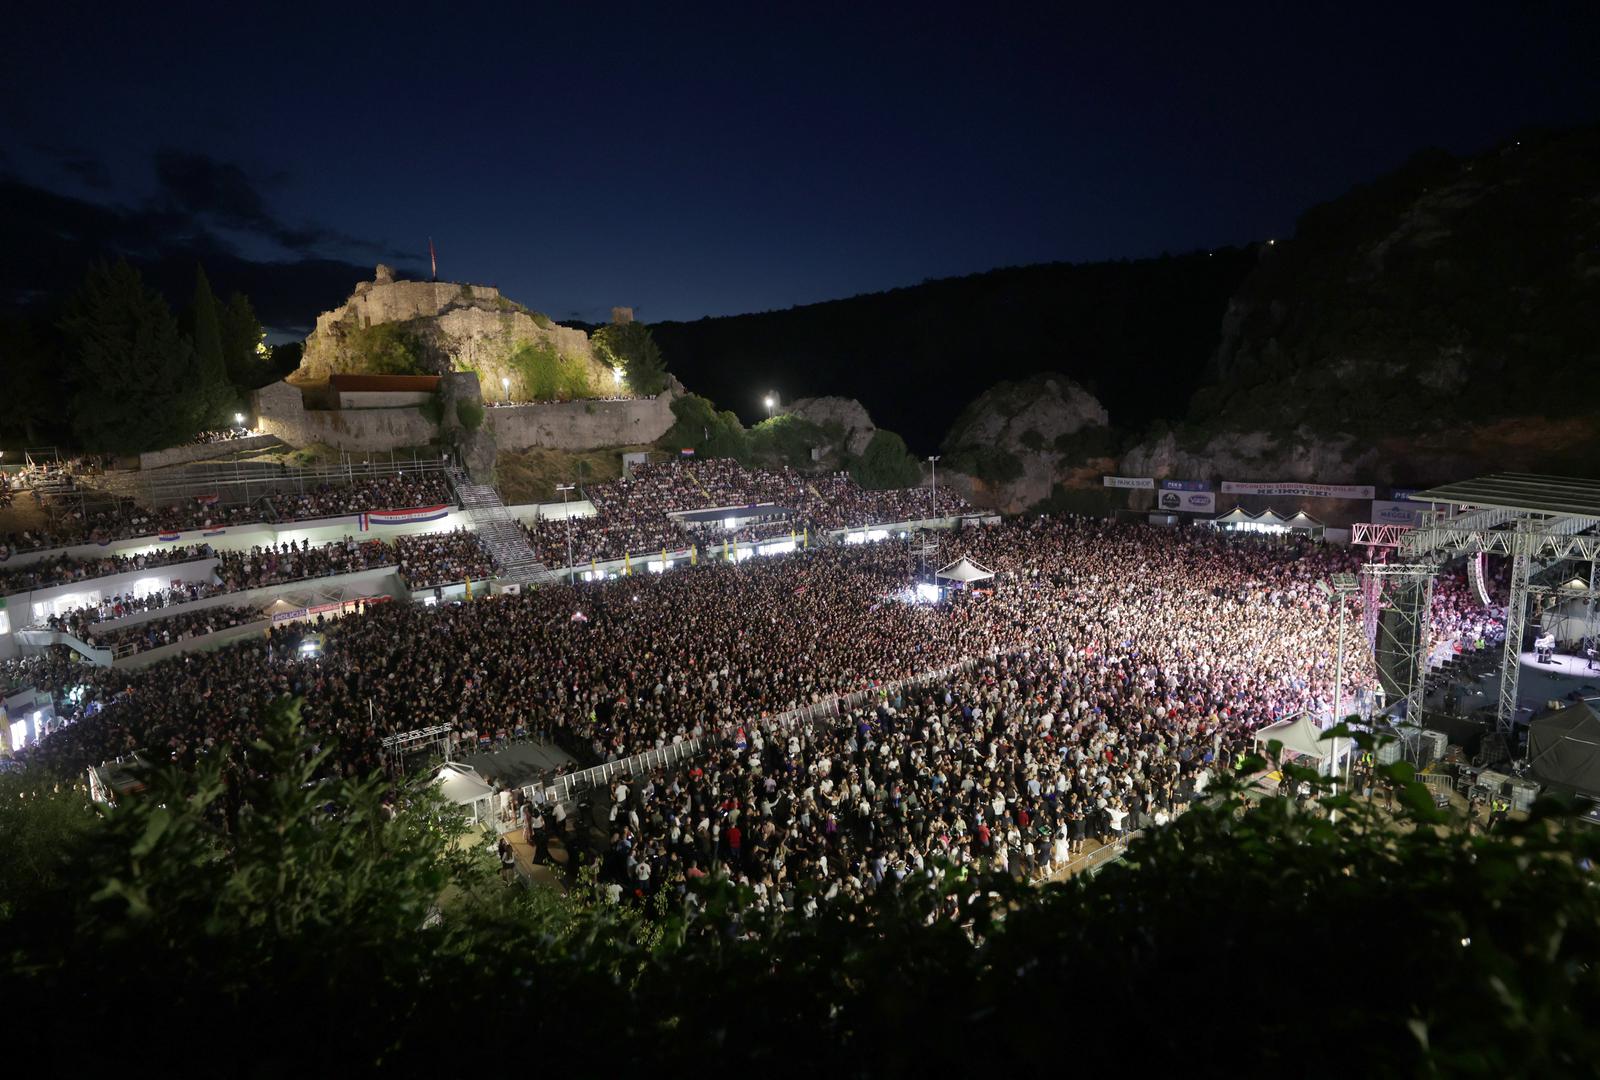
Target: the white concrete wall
(382, 399)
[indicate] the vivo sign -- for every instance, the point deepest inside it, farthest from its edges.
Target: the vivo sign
(1188, 502)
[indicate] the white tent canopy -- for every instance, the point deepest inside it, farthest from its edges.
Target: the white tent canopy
(966, 571)
(1269, 517)
(461, 785)
(1299, 736)
(1236, 516)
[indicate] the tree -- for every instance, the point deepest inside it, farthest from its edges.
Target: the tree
(304, 919)
(886, 463)
(206, 334)
(30, 357)
(630, 346)
(137, 384)
(702, 428)
(244, 350)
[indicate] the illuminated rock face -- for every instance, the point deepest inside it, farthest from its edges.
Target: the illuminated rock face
(452, 327)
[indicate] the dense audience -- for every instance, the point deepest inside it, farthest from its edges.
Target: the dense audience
(121, 605)
(1098, 680)
(99, 517)
(274, 564)
(433, 559)
(140, 637)
(64, 570)
(632, 516)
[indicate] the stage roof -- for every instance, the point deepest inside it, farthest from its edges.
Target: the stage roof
(1520, 491)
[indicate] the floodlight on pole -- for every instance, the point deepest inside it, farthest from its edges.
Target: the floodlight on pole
(771, 401)
(933, 463)
(564, 488)
(505, 386)
(238, 418)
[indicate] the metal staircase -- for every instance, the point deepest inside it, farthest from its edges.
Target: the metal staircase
(514, 560)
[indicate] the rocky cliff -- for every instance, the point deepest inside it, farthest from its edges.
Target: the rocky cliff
(845, 415)
(1441, 321)
(1012, 447)
(438, 327)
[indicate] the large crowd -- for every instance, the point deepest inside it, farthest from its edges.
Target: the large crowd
(274, 564)
(95, 516)
(140, 637)
(1126, 660)
(433, 559)
(64, 569)
(633, 515)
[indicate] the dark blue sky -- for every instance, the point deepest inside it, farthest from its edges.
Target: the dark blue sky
(709, 161)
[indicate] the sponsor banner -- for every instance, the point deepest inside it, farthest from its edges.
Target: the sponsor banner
(1401, 494)
(1188, 502)
(169, 538)
(1314, 491)
(1143, 483)
(1396, 512)
(1185, 485)
(403, 517)
(213, 532)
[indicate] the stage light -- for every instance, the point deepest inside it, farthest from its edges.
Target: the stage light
(238, 418)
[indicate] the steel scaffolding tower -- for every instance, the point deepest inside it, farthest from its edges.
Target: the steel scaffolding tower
(1535, 521)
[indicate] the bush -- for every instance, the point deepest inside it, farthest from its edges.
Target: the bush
(432, 410)
(785, 440)
(701, 428)
(630, 347)
(990, 464)
(386, 349)
(1032, 440)
(886, 463)
(1087, 442)
(542, 374)
(470, 413)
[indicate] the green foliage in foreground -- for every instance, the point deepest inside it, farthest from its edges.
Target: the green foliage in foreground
(265, 911)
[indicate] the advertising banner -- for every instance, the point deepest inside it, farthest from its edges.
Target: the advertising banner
(1185, 485)
(1142, 483)
(1188, 502)
(1314, 491)
(1396, 512)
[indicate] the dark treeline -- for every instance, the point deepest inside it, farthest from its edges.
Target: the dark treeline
(113, 367)
(1138, 334)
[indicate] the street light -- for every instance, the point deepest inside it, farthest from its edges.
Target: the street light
(238, 418)
(564, 488)
(771, 401)
(616, 375)
(933, 462)
(505, 386)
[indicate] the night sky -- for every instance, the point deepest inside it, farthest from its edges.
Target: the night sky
(691, 163)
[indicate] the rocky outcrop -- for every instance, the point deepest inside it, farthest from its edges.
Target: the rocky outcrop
(1011, 447)
(463, 426)
(845, 415)
(451, 327)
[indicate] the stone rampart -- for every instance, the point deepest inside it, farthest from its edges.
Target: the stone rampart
(179, 455)
(582, 425)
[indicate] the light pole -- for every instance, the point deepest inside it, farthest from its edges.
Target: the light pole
(505, 388)
(933, 462)
(1344, 586)
(564, 488)
(771, 401)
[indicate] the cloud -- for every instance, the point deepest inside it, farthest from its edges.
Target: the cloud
(51, 238)
(223, 195)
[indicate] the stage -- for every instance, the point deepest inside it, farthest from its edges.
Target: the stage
(1577, 667)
